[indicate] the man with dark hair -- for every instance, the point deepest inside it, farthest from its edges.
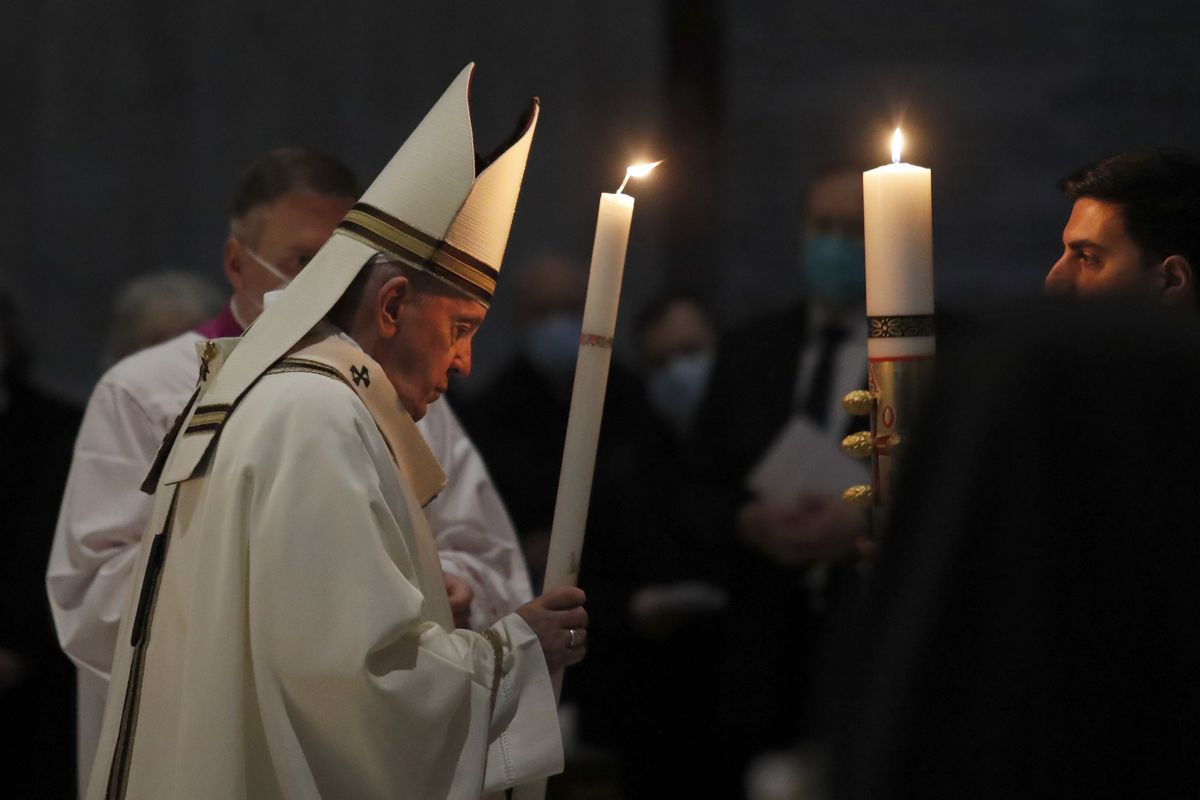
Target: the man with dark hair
(285, 208)
(1134, 228)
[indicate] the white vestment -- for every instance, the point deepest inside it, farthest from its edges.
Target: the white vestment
(104, 514)
(298, 640)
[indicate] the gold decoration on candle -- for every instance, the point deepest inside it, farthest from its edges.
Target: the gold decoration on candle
(595, 340)
(858, 445)
(858, 402)
(900, 325)
(858, 495)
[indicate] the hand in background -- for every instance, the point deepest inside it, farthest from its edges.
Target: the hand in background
(459, 594)
(814, 528)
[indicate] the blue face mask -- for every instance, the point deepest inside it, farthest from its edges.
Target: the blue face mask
(835, 269)
(552, 344)
(676, 388)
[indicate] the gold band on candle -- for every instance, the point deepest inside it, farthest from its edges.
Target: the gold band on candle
(595, 340)
(899, 326)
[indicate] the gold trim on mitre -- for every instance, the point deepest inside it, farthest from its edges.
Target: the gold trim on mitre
(441, 207)
(431, 184)
(395, 237)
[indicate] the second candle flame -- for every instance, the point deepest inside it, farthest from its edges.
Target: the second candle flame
(897, 143)
(637, 171)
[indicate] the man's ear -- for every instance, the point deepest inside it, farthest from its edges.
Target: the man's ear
(233, 269)
(393, 300)
(1178, 280)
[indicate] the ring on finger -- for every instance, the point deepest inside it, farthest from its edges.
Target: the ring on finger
(570, 638)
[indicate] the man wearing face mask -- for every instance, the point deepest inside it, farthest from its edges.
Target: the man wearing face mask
(284, 210)
(677, 338)
(664, 611)
(778, 555)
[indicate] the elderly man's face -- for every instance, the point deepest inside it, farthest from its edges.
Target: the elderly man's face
(1099, 257)
(436, 331)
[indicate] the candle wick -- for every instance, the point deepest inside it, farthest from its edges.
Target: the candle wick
(622, 187)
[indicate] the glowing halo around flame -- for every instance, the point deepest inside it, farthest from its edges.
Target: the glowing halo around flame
(897, 143)
(637, 171)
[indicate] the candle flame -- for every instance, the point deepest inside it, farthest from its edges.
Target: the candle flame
(641, 170)
(897, 143)
(637, 171)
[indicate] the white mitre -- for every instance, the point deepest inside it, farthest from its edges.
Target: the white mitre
(427, 208)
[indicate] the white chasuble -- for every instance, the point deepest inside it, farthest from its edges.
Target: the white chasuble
(297, 641)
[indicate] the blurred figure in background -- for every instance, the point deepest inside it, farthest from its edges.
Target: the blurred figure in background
(519, 420)
(788, 554)
(519, 423)
(36, 725)
(663, 616)
(677, 337)
(1029, 629)
(677, 340)
(158, 306)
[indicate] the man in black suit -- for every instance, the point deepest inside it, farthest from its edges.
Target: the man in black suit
(777, 554)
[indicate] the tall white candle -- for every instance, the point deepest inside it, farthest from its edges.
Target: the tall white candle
(587, 403)
(898, 228)
(587, 394)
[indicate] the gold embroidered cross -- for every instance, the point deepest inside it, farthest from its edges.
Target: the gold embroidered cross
(210, 351)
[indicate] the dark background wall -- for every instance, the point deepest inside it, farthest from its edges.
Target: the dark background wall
(999, 99)
(126, 125)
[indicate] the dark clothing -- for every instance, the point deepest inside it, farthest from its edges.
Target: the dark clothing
(1029, 628)
(763, 698)
(636, 691)
(666, 674)
(748, 401)
(37, 731)
(519, 423)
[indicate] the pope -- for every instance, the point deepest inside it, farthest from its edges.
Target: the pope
(289, 633)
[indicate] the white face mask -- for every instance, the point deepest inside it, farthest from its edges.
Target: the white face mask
(677, 387)
(268, 266)
(284, 280)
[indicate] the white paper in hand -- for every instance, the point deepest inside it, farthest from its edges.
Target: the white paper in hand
(803, 460)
